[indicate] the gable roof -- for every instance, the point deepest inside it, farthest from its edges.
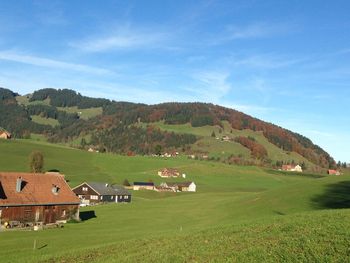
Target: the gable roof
(102, 188)
(36, 189)
(120, 190)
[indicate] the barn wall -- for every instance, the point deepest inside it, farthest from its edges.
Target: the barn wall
(47, 214)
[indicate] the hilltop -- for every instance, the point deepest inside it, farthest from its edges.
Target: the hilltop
(206, 131)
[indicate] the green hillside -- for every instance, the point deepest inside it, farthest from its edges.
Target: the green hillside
(238, 214)
(226, 135)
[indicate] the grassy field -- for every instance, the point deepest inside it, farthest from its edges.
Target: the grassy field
(83, 113)
(219, 148)
(238, 214)
(45, 121)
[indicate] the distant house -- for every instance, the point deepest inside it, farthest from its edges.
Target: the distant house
(143, 186)
(168, 172)
(333, 172)
(27, 198)
(225, 138)
(180, 186)
(91, 193)
(5, 135)
(292, 168)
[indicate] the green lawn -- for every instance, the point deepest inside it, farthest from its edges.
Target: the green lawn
(238, 214)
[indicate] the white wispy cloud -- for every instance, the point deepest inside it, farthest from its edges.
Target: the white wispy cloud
(265, 61)
(123, 37)
(210, 85)
(253, 31)
(49, 63)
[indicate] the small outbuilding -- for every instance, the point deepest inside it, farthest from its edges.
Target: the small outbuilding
(5, 135)
(180, 186)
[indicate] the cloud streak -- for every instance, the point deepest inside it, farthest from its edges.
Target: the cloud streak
(50, 63)
(122, 38)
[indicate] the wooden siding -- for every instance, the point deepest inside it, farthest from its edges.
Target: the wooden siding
(43, 213)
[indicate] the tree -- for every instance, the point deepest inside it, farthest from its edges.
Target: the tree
(36, 162)
(158, 149)
(126, 182)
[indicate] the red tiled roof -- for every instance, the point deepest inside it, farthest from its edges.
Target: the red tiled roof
(36, 189)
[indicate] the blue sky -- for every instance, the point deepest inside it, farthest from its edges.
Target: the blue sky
(286, 62)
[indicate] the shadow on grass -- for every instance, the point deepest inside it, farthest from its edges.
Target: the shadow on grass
(336, 196)
(86, 215)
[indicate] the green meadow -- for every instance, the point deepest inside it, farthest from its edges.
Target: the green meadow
(238, 214)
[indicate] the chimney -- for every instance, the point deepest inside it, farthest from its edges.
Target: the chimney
(19, 184)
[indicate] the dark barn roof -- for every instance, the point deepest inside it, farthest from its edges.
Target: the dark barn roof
(102, 188)
(120, 190)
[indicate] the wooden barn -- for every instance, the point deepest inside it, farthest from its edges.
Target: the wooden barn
(95, 192)
(28, 198)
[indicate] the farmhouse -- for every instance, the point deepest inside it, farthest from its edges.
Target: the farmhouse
(333, 172)
(91, 193)
(143, 186)
(180, 186)
(168, 172)
(28, 198)
(5, 135)
(292, 168)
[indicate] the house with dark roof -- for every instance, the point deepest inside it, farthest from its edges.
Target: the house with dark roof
(143, 186)
(28, 198)
(180, 186)
(96, 192)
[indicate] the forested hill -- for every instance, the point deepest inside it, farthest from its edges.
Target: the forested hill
(123, 127)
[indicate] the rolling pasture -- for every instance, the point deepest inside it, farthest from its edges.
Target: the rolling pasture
(238, 213)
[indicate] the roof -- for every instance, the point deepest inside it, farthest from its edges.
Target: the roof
(37, 189)
(144, 183)
(120, 190)
(180, 184)
(102, 188)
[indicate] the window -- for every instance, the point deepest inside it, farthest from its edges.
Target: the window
(112, 197)
(93, 197)
(125, 197)
(85, 189)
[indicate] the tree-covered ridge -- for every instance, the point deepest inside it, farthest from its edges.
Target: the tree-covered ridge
(15, 118)
(68, 98)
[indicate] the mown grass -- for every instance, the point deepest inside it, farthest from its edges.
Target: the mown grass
(238, 214)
